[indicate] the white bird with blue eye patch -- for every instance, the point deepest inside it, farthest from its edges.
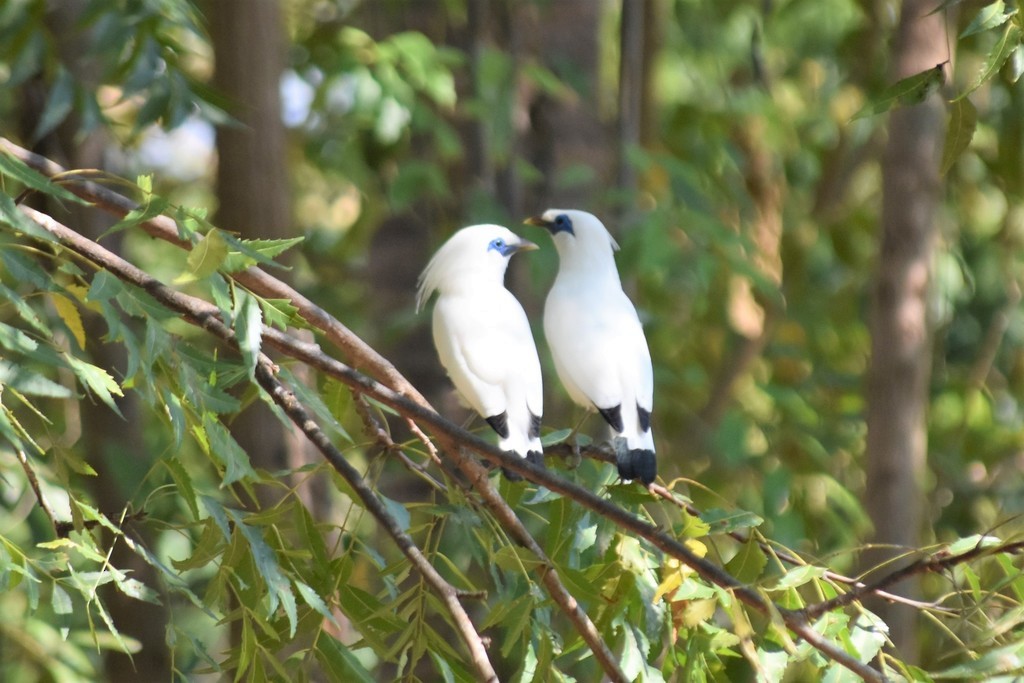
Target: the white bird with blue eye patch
(483, 337)
(596, 339)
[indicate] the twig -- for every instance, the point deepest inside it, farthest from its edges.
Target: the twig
(33, 481)
(205, 315)
(376, 431)
(939, 562)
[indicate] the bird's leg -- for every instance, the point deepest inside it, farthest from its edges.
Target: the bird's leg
(574, 442)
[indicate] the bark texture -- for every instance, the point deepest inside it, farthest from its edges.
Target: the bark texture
(252, 181)
(901, 355)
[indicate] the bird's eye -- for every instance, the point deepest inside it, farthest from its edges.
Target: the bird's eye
(560, 220)
(498, 243)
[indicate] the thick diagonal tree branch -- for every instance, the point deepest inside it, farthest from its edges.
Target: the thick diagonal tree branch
(206, 316)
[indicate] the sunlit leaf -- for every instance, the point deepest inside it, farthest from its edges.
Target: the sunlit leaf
(748, 564)
(798, 576)
(97, 381)
(988, 17)
(281, 313)
(249, 330)
(68, 312)
(245, 253)
(1007, 45)
(152, 208)
(207, 256)
(726, 521)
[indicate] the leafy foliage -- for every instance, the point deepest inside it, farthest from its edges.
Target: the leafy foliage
(774, 478)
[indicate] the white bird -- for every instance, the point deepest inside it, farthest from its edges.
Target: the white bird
(596, 339)
(483, 337)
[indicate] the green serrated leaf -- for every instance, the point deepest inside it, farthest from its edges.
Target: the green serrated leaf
(58, 105)
(1006, 659)
(312, 599)
(24, 311)
(207, 256)
(798, 576)
(96, 381)
(184, 484)
(13, 217)
(969, 543)
(281, 313)
(224, 447)
(60, 600)
(963, 120)
(989, 17)
(13, 339)
(907, 91)
(339, 663)
(1007, 44)
(279, 591)
(249, 330)
(29, 382)
(15, 168)
(245, 253)
(726, 521)
(748, 564)
(558, 436)
(154, 207)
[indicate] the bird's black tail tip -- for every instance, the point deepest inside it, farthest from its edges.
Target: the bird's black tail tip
(639, 463)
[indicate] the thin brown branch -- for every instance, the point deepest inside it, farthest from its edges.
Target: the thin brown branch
(33, 481)
(206, 316)
(375, 430)
(939, 562)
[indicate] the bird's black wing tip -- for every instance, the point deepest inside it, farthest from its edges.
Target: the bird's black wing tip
(613, 416)
(499, 423)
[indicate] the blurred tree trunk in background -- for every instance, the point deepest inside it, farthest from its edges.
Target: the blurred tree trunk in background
(252, 180)
(901, 357)
(566, 133)
(115, 445)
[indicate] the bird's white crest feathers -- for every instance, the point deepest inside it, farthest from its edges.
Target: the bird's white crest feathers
(481, 332)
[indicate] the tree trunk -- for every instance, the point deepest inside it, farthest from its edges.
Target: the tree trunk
(897, 382)
(252, 180)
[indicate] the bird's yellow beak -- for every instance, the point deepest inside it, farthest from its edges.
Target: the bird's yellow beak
(538, 221)
(526, 245)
